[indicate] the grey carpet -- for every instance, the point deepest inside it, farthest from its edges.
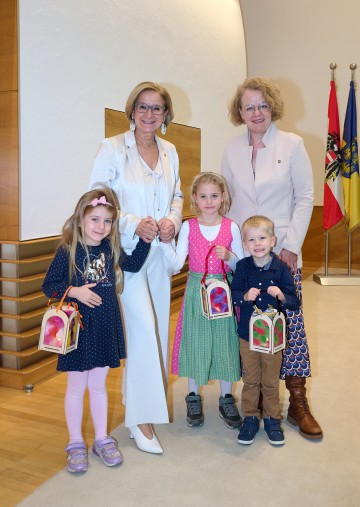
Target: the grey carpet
(207, 467)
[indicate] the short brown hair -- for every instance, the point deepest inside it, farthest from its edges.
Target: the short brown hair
(155, 87)
(269, 90)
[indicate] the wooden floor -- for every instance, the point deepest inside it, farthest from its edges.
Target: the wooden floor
(34, 434)
(33, 430)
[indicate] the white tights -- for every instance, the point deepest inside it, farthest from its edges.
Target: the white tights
(78, 381)
(225, 387)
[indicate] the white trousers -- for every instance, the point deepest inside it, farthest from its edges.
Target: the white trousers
(145, 305)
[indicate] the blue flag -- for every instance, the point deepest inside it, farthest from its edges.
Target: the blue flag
(350, 164)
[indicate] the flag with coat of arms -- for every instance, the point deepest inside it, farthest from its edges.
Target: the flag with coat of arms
(350, 164)
(333, 211)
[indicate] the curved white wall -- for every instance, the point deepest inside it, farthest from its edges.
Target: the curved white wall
(294, 43)
(78, 57)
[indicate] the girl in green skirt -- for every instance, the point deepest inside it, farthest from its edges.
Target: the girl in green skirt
(206, 349)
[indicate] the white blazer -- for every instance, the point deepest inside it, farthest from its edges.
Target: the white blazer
(117, 165)
(282, 189)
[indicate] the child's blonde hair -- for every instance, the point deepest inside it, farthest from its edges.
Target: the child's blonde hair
(215, 179)
(73, 231)
(257, 221)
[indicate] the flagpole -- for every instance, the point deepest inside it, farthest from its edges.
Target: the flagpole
(332, 67)
(326, 253)
(337, 279)
(353, 67)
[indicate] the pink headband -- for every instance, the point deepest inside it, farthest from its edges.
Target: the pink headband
(101, 200)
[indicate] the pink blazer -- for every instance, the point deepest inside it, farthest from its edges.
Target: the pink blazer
(283, 188)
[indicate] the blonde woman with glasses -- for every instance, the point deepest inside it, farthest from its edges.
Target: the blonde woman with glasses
(269, 173)
(143, 170)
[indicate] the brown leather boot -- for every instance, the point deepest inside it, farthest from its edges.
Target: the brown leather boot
(299, 411)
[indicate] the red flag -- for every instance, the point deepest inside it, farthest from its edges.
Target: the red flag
(333, 190)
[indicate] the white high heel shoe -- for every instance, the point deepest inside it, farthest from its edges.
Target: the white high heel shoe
(143, 443)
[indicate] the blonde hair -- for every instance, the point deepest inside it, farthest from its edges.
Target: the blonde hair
(155, 87)
(215, 179)
(269, 90)
(257, 221)
(73, 231)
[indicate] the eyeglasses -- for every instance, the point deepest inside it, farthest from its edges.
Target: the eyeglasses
(144, 108)
(250, 110)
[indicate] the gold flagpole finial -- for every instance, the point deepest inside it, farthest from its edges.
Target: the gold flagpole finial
(352, 68)
(332, 66)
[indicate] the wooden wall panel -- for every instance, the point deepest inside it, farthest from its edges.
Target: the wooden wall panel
(9, 135)
(314, 245)
(186, 139)
(9, 167)
(8, 45)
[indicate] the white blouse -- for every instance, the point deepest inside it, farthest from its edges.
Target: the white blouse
(176, 258)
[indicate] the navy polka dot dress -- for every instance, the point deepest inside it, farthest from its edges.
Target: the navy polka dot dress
(101, 342)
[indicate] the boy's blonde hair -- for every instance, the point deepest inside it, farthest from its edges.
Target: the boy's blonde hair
(257, 221)
(215, 179)
(73, 231)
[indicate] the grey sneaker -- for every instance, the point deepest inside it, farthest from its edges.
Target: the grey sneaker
(195, 416)
(228, 411)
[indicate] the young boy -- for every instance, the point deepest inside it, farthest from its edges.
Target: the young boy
(260, 279)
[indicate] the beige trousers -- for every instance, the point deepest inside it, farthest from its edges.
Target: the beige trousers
(260, 373)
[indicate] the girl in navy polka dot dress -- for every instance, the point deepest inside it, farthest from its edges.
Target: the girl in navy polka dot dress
(90, 260)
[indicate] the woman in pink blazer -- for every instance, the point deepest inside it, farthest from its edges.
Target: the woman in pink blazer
(269, 173)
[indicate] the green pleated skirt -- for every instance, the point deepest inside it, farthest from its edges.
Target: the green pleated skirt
(209, 349)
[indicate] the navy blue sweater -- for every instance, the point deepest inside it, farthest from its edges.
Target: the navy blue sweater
(247, 275)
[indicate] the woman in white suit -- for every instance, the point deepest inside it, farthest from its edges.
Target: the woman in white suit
(269, 173)
(143, 170)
